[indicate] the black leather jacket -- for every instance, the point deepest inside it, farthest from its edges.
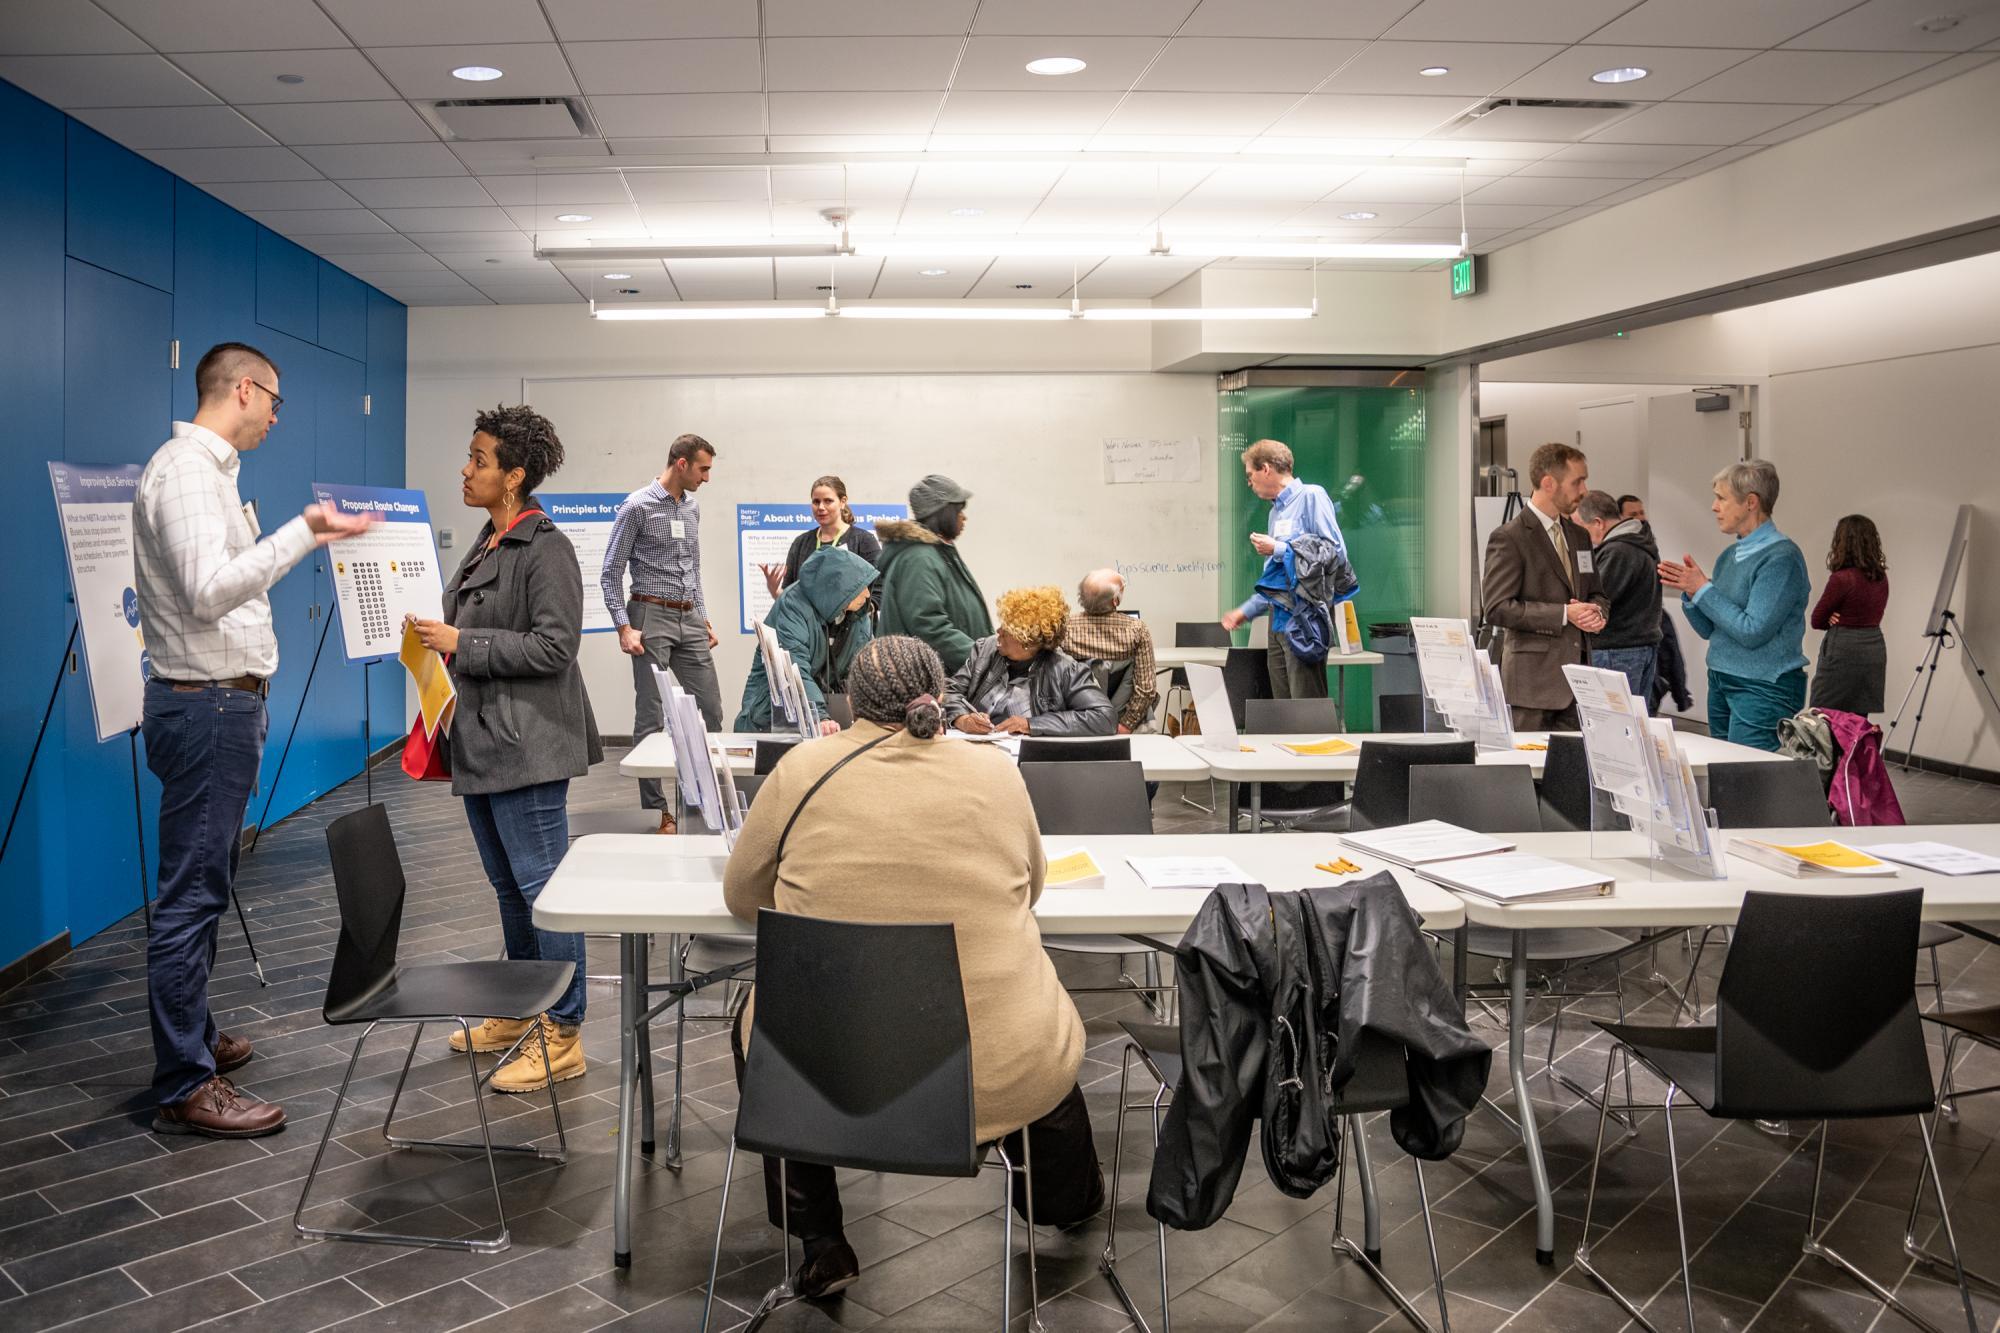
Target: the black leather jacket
(1278, 993)
(1064, 698)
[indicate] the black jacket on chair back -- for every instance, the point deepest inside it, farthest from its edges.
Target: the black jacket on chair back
(1277, 992)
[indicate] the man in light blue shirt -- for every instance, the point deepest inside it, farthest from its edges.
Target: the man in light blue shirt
(1297, 508)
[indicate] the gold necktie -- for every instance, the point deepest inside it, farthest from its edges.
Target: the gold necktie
(1562, 554)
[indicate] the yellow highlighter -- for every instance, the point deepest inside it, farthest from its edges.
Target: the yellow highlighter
(1343, 866)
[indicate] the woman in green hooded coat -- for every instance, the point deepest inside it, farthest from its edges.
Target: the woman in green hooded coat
(833, 583)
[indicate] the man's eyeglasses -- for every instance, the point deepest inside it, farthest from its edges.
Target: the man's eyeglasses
(277, 401)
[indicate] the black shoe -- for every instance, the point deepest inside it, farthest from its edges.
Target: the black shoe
(830, 1267)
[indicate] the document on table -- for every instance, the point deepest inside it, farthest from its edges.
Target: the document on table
(1517, 877)
(437, 697)
(1332, 745)
(1076, 869)
(1939, 858)
(1424, 842)
(1810, 860)
(1186, 872)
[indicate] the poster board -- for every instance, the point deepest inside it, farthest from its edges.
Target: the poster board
(94, 509)
(585, 517)
(384, 574)
(764, 533)
(1954, 556)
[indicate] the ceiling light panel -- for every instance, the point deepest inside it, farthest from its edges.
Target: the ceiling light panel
(338, 75)
(1808, 76)
(694, 65)
(860, 64)
(997, 64)
(224, 25)
(424, 72)
(1472, 68)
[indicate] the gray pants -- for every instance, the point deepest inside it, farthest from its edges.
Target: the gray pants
(1291, 678)
(678, 641)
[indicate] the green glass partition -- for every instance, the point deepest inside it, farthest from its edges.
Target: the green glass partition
(1360, 434)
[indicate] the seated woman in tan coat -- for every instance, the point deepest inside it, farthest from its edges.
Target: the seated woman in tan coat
(871, 846)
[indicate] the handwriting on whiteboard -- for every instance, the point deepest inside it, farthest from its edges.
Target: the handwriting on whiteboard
(1130, 462)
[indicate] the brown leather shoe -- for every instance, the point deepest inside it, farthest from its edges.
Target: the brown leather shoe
(231, 1052)
(217, 1110)
(667, 824)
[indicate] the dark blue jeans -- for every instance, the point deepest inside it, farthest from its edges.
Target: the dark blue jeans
(1639, 665)
(521, 835)
(204, 745)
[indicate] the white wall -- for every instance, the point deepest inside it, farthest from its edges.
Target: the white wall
(1540, 412)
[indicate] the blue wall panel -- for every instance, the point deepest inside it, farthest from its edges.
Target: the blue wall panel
(215, 283)
(343, 312)
(121, 209)
(334, 710)
(287, 286)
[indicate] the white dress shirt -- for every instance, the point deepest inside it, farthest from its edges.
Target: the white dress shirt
(202, 572)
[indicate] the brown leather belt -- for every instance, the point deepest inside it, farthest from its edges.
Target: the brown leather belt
(257, 685)
(651, 600)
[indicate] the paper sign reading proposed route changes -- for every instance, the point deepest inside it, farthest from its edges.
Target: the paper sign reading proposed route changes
(94, 505)
(386, 573)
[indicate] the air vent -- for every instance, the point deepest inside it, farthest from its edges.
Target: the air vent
(1548, 118)
(474, 118)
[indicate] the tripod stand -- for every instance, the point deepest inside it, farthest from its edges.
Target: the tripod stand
(1947, 634)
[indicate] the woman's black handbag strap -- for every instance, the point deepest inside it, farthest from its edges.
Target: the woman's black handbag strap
(813, 790)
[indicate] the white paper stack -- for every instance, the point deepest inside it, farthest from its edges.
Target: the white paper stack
(1811, 860)
(1940, 858)
(1462, 682)
(1517, 877)
(1424, 843)
(1187, 872)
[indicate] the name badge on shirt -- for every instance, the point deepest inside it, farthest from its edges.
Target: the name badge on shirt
(1584, 563)
(1285, 529)
(678, 527)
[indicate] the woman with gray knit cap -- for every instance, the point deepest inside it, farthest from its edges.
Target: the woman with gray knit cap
(864, 848)
(927, 592)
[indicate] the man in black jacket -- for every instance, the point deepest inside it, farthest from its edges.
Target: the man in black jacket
(1627, 561)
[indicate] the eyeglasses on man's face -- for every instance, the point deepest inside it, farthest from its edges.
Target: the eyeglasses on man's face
(277, 400)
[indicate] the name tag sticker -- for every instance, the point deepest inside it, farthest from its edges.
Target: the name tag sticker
(678, 527)
(1584, 563)
(1285, 529)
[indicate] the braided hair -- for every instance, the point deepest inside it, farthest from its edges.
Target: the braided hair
(898, 681)
(526, 440)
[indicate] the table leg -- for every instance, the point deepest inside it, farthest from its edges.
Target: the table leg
(642, 1046)
(1524, 1108)
(631, 1003)
(1340, 696)
(1459, 985)
(1256, 807)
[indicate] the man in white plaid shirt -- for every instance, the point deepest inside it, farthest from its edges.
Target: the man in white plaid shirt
(202, 576)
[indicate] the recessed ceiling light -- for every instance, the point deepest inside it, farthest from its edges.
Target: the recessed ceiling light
(1055, 65)
(616, 277)
(932, 272)
(572, 217)
(1622, 74)
(1362, 216)
(968, 212)
(291, 78)
(1434, 71)
(476, 73)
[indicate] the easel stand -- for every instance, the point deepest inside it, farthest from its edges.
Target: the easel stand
(1947, 635)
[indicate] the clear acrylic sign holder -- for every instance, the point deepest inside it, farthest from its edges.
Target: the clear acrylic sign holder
(1461, 683)
(1644, 806)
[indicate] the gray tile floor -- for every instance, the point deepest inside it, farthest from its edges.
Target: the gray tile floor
(104, 1225)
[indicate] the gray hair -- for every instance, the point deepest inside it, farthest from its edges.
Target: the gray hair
(1100, 592)
(1598, 507)
(1752, 477)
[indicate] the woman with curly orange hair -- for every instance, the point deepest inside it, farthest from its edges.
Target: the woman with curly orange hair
(1019, 680)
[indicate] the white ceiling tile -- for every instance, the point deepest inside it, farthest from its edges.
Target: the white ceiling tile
(438, 22)
(726, 219)
(1198, 113)
(364, 265)
(852, 113)
(1294, 18)
(142, 128)
(342, 122)
(1510, 153)
(383, 242)
(1236, 219)
(408, 220)
(1475, 69)
(1247, 64)
(800, 279)
(666, 115)
(1025, 113)
(605, 219)
(1402, 186)
(999, 63)
(816, 18)
(254, 196)
(522, 264)
(860, 64)
(1036, 18)
(902, 278)
(989, 181)
(1274, 183)
(1633, 191)
(1673, 69)
(115, 80)
(1333, 116)
(516, 157)
(1818, 120)
(1090, 217)
(933, 217)
(423, 300)
(1891, 25)
(545, 279)
(1718, 123)
(366, 161)
(1085, 181)
(1622, 159)
(847, 143)
(244, 77)
(321, 221)
(689, 65)
(1716, 22)
(420, 192)
(721, 279)
(1567, 191)
(226, 25)
(206, 165)
(1136, 278)
(1949, 68)
(665, 187)
(1489, 218)
(502, 295)
(1712, 160)
(482, 242)
(576, 187)
(1807, 76)
(687, 143)
(61, 28)
(527, 70)
(1005, 278)
(621, 20)
(1519, 21)
(1020, 143)
(1329, 218)
(862, 180)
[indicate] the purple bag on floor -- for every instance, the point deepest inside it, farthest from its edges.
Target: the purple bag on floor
(1860, 792)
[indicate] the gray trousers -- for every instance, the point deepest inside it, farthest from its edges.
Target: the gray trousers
(1291, 678)
(678, 641)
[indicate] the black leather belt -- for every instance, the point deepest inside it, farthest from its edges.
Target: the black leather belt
(651, 600)
(257, 685)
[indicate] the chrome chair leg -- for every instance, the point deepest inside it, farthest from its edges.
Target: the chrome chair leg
(721, 1218)
(1680, 1210)
(1107, 1262)
(783, 1293)
(1930, 1258)
(1006, 1238)
(1368, 1251)
(1035, 1324)
(1583, 1261)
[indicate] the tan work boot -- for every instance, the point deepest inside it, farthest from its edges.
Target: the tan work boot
(525, 1073)
(667, 824)
(495, 1034)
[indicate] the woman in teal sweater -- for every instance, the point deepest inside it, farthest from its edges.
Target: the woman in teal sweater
(1753, 612)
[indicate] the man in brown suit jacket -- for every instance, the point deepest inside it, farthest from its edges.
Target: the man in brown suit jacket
(1541, 588)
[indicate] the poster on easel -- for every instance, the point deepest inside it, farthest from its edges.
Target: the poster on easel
(388, 572)
(585, 517)
(764, 535)
(94, 507)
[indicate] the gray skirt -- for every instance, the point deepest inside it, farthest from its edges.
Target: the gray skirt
(1848, 676)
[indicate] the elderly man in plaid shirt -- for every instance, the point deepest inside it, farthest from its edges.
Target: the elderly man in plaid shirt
(1101, 631)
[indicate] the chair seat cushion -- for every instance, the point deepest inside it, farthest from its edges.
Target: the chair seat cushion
(1982, 1023)
(1560, 945)
(1931, 934)
(502, 988)
(1100, 944)
(1161, 1043)
(1683, 1056)
(708, 952)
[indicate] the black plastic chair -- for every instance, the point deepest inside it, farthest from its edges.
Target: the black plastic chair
(1382, 777)
(1568, 799)
(1782, 793)
(769, 752)
(852, 1064)
(1246, 675)
(1084, 750)
(1278, 717)
(1290, 803)
(1815, 1019)
(366, 986)
(1980, 1025)
(1496, 798)
(1400, 712)
(1195, 634)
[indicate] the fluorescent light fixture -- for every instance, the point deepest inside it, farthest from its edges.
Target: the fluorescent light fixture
(1056, 66)
(1041, 314)
(1360, 215)
(1139, 313)
(1051, 314)
(708, 312)
(1622, 74)
(476, 73)
(1228, 249)
(1435, 71)
(1005, 247)
(572, 217)
(932, 272)
(925, 247)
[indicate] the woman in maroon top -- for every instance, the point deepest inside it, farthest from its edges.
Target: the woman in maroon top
(1852, 657)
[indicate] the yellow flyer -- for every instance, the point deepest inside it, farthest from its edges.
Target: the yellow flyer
(437, 697)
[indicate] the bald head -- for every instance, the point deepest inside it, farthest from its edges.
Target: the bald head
(1100, 592)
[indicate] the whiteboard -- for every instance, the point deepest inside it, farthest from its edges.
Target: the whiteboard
(1029, 447)
(1137, 462)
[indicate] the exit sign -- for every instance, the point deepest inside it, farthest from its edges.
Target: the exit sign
(1465, 277)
